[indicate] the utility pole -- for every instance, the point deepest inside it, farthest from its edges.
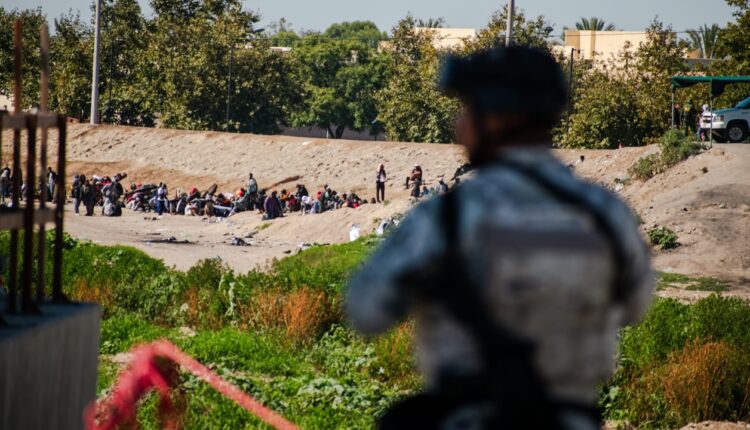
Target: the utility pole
(229, 84)
(95, 72)
(570, 86)
(509, 27)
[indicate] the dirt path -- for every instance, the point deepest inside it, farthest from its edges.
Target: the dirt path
(705, 199)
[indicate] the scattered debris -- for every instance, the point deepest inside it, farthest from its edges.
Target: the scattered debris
(236, 241)
(354, 233)
(171, 240)
(187, 332)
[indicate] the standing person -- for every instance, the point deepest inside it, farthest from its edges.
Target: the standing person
(88, 195)
(416, 181)
(520, 279)
(161, 198)
(380, 178)
(5, 183)
(51, 181)
(252, 186)
(76, 192)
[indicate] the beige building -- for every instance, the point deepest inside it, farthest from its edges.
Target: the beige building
(449, 38)
(600, 45)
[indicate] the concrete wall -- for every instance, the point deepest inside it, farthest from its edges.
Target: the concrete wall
(319, 133)
(48, 367)
(602, 45)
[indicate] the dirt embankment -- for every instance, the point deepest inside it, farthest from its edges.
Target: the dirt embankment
(705, 199)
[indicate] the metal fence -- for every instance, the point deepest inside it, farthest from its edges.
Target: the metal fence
(27, 210)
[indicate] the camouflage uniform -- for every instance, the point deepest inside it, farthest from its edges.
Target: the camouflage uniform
(542, 264)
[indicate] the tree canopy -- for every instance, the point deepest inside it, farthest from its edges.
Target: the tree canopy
(205, 65)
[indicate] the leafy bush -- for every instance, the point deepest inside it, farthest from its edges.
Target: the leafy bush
(646, 167)
(675, 145)
(683, 363)
(663, 237)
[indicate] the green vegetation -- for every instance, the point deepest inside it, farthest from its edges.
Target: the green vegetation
(683, 363)
(675, 146)
(174, 66)
(663, 237)
(280, 336)
(702, 283)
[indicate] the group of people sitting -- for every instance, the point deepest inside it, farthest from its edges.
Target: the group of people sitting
(109, 194)
(301, 201)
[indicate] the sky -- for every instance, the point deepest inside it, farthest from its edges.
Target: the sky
(319, 14)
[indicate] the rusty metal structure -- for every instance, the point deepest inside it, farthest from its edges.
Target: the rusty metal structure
(27, 216)
(48, 344)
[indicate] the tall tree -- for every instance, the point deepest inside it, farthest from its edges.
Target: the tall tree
(534, 32)
(628, 101)
(71, 53)
(31, 20)
(431, 23)
(705, 39)
(340, 73)
(191, 46)
(594, 23)
(411, 108)
(733, 42)
(126, 76)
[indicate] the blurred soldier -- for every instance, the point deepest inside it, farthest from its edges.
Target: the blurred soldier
(520, 278)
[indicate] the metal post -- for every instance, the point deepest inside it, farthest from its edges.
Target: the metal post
(57, 294)
(570, 88)
(95, 72)
(44, 108)
(229, 84)
(27, 304)
(509, 28)
(16, 178)
(673, 112)
(711, 110)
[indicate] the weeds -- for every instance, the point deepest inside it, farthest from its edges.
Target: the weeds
(663, 237)
(675, 145)
(666, 280)
(683, 363)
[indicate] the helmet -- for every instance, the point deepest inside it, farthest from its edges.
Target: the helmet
(515, 79)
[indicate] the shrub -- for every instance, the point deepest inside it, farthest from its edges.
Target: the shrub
(707, 382)
(663, 238)
(675, 145)
(646, 167)
(668, 362)
(302, 315)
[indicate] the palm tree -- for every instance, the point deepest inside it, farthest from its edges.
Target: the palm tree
(431, 23)
(594, 23)
(705, 39)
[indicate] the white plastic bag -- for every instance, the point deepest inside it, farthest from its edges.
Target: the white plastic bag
(354, 233)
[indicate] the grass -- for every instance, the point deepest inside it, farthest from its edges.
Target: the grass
(339, 382)
(666, 280)
(683, 363)
(280, 336)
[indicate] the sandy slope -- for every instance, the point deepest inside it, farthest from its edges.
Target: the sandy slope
(710, 211)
